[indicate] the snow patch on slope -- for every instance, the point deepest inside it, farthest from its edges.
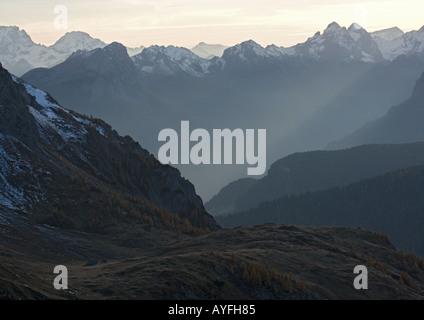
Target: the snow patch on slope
(11, 165)
(408, 44)
(89, 124)
(41, 97)
(47, 119)
(171, 60)
(19, 53)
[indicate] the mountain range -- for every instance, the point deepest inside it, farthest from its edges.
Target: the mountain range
(63, 168)
(19, 54)
(309, 95)
(76, 193)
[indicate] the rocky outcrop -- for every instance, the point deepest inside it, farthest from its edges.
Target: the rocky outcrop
(86, 172)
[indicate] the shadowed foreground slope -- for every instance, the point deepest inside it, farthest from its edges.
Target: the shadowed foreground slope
(264, 262)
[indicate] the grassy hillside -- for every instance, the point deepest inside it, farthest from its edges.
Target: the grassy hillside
(392, 203)
(313, 171)
(266, 262)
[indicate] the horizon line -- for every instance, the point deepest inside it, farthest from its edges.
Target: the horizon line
(202, 41)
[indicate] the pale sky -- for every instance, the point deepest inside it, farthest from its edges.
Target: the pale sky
(188, 22)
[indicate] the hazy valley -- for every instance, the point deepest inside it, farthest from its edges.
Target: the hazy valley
(81, 186)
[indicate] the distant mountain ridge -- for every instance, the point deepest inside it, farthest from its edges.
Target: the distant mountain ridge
(388, 34)
(312, 171)
(401, 124)
(104, 77)
(339, 43)
(161, 86)
(335, 44)
(170, 60)
(20, 54)
(410, 43)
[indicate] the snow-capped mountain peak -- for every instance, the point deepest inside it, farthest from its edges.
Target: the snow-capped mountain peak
(76, 40)
(332, 27)
(252, 45)
(340, 44)
(356, 32)
(20, 54)
(410, 43)
(208, 51)
(388, 34)
(413, 40)
(355, 26)
(170, 60)
(13, 35)
(245, 51)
